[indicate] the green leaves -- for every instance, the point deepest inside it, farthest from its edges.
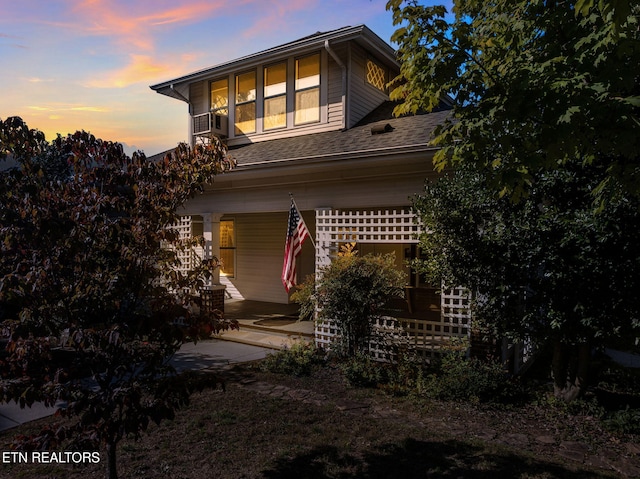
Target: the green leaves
(544, 267)
(583, 7)
(82, 270)
(353, 290)
(533, 84)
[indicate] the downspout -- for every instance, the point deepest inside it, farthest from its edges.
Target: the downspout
(345, 112)
(180, 96)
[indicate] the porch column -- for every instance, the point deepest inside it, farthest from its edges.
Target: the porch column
(211, 233)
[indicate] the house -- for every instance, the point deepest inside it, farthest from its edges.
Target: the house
(312, 118)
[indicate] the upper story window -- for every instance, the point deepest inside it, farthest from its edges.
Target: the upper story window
(245, 111)
(307, 89)
(376, 75)
(283, 99)
(275, 96)
(220, 96)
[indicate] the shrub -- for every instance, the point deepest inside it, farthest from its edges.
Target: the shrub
(353, 291)
(460, 378)
(626, 421)
(305, 297)
(406, 376)
(297, 360)
(361, 371)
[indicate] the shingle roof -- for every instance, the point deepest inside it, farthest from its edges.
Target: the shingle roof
(414, 130)
(359, 33)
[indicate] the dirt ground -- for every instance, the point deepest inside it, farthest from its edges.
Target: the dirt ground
(274, 426)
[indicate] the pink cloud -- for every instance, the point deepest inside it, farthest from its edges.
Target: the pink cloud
(133, 24)
(276, 15)
(141, 69)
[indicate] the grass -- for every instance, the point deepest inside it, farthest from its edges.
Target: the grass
(254, 431)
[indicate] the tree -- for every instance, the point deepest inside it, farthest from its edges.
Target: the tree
(535, 85)
(90, 298)
(545, 268)
(544, 137)
(354, 290)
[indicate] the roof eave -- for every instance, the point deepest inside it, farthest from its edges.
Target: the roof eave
(292, 48)
(377, 152)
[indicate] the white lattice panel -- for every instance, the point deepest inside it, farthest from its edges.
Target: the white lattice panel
(325, 333)
(388, 226)
(456, 307)
(189, 257)
(334, 227)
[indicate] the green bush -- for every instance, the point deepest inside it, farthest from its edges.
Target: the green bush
(305, 297)
(354, 290)
(406, 376)
(626, 421)
(459, 378)
(360, 370)
(298, 360)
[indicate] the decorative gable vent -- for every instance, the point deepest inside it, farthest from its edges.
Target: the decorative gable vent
(376, 75)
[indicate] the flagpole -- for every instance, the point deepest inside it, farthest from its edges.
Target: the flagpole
(294, 204)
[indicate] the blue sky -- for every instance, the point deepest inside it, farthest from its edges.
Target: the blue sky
(72, 65)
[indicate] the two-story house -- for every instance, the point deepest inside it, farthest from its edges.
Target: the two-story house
(311, 118)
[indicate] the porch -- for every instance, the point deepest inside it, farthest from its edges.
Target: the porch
(270, 325)
(428, 321)
(276, 326)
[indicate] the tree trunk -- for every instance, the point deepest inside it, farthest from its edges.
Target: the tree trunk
(112, 471)
(570, 367)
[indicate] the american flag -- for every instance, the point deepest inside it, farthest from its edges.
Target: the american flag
(297, 232)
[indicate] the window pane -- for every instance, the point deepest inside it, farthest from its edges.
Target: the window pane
(246, 87)
(227, 235)
(307, 106)
(246, 118)
(227, 248)
(275, 80)
(228, 257)
(275, 112)
(245, 103)
(220, 96)
(308, 72)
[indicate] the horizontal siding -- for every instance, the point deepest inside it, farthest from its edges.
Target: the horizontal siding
(334, 93)
(363, 97)
(198, 97)
(260, 242)
(285, 133)
(331, 102)
(390, 183)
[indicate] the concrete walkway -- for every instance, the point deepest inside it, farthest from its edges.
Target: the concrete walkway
(264, 327)
(211, 353)
(628, 360)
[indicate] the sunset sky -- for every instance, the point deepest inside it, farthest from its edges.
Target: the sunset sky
(72, 65)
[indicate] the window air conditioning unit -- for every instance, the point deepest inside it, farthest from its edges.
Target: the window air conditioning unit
(210, 123)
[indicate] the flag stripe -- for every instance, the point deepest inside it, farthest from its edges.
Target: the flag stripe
(297, 232)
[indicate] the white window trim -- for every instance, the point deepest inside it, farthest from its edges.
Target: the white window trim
(290, 115)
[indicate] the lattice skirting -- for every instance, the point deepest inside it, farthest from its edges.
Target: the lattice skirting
(391, 336)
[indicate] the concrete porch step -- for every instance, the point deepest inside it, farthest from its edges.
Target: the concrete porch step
(293, 331)
(262, 338)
